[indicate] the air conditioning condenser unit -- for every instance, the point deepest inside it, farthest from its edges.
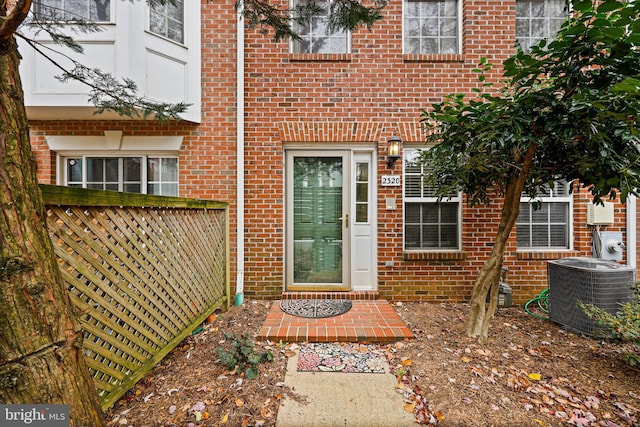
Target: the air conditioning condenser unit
(605, 284)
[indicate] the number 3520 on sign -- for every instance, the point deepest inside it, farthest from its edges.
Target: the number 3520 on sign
(390, 180)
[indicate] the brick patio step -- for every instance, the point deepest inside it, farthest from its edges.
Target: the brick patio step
(367, 321)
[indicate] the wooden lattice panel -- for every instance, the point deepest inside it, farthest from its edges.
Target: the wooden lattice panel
(142, 278)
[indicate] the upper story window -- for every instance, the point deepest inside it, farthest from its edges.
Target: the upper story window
(70, 10)
(431, 26)
(167, 20)
(131, 174)
(548, 226)
(315, 36)
(429, 224)
(539, 19)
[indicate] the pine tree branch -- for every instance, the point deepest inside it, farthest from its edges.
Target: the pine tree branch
(108, 93)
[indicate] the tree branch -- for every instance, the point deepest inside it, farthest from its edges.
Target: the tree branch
(10, 23)
(121, 96)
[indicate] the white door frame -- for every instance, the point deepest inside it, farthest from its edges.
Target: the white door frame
(364, 239)
(359, 237)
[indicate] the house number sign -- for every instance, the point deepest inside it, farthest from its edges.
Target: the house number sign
(390, 180)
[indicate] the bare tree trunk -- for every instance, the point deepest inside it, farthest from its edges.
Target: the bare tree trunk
(488, 279)
(41, 358)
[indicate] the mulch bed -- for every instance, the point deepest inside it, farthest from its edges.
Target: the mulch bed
(531, 372)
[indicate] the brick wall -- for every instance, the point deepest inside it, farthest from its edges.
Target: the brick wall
(377, 83)
(378, 89)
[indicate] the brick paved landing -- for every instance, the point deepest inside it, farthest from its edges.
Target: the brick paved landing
(368, 320)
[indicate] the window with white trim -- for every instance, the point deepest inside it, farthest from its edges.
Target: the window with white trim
(167, 20)
(315, 36)
(133, 174)
(429, 224)
(539, 19)
(70, 10)
(545, 222)
(431, 26)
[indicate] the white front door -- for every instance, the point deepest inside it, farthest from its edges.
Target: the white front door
(330, 242)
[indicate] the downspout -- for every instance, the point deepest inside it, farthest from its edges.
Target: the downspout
(240, 155)
(631, 231)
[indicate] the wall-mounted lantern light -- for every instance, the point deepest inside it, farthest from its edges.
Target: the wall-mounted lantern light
(393, 148)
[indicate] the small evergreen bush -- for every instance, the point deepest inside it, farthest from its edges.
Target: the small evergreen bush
(241, 355)
(624, 326)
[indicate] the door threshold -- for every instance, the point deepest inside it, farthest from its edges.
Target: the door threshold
(351, 295)
(317, 288)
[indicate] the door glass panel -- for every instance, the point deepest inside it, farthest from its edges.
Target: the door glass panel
(317, 220)
(362, 192)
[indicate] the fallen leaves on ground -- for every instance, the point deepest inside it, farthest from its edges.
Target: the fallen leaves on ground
(190, 388)
(531, 372)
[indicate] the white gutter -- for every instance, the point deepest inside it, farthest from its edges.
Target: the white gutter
(240, 156)
(631, 232)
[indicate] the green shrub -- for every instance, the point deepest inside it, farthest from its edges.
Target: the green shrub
(624, 326)
(241, 355)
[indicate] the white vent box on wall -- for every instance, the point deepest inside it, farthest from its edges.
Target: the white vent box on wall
(600, 214)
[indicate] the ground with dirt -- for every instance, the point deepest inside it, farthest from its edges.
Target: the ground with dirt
(531, 372)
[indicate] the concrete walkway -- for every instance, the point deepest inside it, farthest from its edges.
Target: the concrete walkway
(342, 399)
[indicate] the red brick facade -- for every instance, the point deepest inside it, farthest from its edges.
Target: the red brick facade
(347, 99)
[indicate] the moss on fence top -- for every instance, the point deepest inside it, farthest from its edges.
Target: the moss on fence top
(58, 195)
